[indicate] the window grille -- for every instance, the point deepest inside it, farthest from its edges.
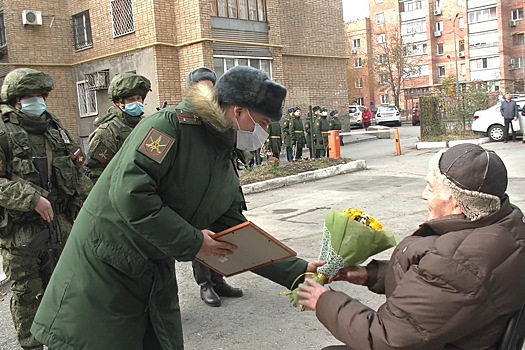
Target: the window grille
(122, 17)
(3, 41)
(98, 80)
(82, 30)
(87, 100)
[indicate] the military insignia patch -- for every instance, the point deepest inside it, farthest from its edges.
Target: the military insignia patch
(156, 145)
(80, 157)
(103, 154)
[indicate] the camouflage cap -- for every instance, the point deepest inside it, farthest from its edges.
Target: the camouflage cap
(25, 82)
(126, 85)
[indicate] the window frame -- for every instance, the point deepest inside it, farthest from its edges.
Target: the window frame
(516, 14)
(126, 12)
(255, 10)
(441, 71)
(83, 109)
(3, 34)
(358, 84)
(518, 39)
(88, 43)
(438, 51)
(384, 99)
(249, 59)
(358, 62)
(381, 38)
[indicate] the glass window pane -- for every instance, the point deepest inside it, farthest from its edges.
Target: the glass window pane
(230, 63)
(232, 8)
(218, 66)
(242, 61)
(252, 7)
(243, 9)
(265, 67)
(221, 8)
(261, 10)
(255, 63)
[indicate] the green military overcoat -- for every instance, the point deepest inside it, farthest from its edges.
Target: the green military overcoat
(115, 286)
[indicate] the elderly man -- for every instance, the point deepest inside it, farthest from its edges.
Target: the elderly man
(115, 286)
(455, 282)
(509, 112)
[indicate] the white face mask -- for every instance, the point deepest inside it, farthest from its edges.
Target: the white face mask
(251, 140)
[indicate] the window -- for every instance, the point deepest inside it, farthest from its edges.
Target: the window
(517, 14)
(461, 22)
(87, 100)
(437, 7)
(463, 69)
(439, 26)
(3, 41)
(482, 15)
(358, 63)
(413, 27)
(381, 38)
(359, 83)
(383, 79)
(418, 71)
(380, 18)
(223, 63)
(360, 101)
(517, 39)
(484, 63)
(122, 17)
(82, 30)
(515, 63)
(462, 45)
(384, 99)
(410, 5)
(441, 71)
(356, 43)
(440, 50)
(379, 1)
(382, 58)
(415, 49)
(253, 10)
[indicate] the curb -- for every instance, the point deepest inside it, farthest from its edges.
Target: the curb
(445, 144)
(304, 177)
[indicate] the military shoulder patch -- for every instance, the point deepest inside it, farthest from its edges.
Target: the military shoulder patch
(103, 154)
(156, 145)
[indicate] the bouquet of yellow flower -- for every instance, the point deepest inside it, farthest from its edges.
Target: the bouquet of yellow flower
(349, 237)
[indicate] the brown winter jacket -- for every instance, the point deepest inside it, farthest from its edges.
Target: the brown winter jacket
(453, 284)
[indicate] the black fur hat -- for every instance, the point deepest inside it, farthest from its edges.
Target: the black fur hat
(201, 73)
(333, 112)
(251, 88)
(316, 108)
(291, 110)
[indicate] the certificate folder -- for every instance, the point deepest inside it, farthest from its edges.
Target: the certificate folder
(255, 248)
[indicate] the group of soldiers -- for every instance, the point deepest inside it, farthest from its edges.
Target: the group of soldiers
(313, 133)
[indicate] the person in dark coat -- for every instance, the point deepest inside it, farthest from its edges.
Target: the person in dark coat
(509, 112)
(115, 285)
(455, 282)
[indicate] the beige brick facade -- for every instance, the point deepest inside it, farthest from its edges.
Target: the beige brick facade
(303, 40)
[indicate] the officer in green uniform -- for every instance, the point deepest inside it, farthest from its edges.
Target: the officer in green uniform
(128, 92)
(212, 285)
(274, 142)
(115, 285)
(335, 124)
(42, 182)
(321, 128)
(309, 130)
(286, 124)
(297, 134)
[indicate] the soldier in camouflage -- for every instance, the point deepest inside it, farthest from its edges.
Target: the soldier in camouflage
(31, 198)
(128, 92)
(321, 128)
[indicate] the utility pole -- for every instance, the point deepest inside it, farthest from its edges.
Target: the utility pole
(457, 71)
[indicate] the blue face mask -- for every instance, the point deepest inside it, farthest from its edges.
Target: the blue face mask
(134, 109)
(33, 106)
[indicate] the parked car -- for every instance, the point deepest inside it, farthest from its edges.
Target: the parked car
(355, 113)
(489, 122)
(388, 115)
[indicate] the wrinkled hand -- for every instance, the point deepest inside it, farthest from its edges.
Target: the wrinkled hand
(309, 293)
(353, 274)
(212, 247)
(44, 209)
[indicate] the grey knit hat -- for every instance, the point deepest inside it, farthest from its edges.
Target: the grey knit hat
(251, 88)
(477, 178)
(199, 74)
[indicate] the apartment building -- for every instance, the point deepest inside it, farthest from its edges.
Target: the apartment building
(461, 42)
(84, 44)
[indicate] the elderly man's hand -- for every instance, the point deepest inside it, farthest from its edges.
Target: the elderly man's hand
(353, 274)
(309, 293)
(313, 265)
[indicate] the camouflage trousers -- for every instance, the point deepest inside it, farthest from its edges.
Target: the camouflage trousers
(29, 274)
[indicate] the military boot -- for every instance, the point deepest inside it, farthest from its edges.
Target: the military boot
(222, 288)
(203, 278)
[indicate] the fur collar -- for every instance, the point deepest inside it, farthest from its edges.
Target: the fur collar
(204, 103)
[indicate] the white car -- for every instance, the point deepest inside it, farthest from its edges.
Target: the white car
(388, 115)
(355, 113)
(489, 122)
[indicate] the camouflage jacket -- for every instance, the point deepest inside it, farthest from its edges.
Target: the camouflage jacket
(111, 132)
(21, 140)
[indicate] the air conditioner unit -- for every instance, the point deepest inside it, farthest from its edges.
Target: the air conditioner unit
(437, 33)
(354, 50)
(513, 23)
(437, 12)
(33, 18)
(461, 54)
(97, 80)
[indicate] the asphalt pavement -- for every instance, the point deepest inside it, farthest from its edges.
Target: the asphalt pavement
(389, 188)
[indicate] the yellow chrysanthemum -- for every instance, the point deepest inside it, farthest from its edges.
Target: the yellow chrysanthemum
(365, 219)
